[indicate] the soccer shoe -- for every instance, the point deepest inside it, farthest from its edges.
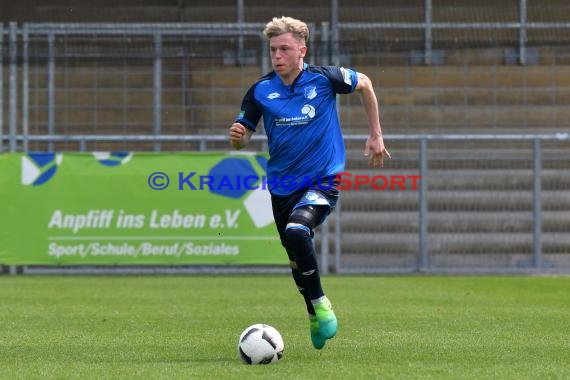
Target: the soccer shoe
(318, 341)
(326, 318)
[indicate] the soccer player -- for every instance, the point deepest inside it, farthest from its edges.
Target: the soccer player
(306, 151)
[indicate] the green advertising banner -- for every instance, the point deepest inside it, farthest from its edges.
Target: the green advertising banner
(109, 208)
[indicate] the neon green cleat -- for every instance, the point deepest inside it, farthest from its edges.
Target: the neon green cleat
(326, 319)
(318, 341)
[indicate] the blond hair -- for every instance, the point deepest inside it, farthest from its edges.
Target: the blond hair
(283, 24)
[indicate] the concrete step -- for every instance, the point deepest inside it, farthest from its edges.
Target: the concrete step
(103, 75)
(473, 76)
(459, 115)
(216, 96)
(225, 77)
(455, 180)
(451, 222)
(450, 243)
(468, 96)
(86, 98)
(41, 12)
(457, 127)
(216, 116)
(452, 201)
(428, 117)
(471, 162)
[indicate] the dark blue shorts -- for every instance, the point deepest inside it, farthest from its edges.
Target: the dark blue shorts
(325, 197)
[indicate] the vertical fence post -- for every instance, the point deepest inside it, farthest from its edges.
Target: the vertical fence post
(51, 89)
(157, 91)
(324, 53)
(325, 247)
(240, 18)
(427, 32)
(25, 88)
(12, 100)
(13, 96)
(337, 236)
(537, 205)
(264, 54)
(334, 59)
(13, 78)
(311, 43)
(423, 260)
(335, 51)
(522, 32)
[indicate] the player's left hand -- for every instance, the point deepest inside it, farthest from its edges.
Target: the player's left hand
(375, 150)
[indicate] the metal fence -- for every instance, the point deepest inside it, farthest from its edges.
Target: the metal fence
(474, 209)
(489, 199)
(186, 78)
(470, 210)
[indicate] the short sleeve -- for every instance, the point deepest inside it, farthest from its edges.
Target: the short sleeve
(250, 113)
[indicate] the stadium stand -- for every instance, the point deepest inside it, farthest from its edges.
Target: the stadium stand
(480, 192)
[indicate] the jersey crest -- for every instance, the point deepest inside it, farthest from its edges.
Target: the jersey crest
(310, 92)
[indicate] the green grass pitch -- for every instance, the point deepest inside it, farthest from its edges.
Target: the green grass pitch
(186, 327)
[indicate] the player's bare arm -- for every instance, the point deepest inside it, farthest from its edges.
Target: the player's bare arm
(375, 142)
(239, 136)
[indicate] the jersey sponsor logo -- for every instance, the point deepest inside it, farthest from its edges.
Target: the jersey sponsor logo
(310, 92)
(346, 76)
(273, 95)
(308, 110)
(291, 121)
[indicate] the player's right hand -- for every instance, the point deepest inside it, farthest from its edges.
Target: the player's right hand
(238, 136)
(237, 131)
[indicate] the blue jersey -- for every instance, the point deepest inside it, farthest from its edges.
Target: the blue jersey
(302, 124)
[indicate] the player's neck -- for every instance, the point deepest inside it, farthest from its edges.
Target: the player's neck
(291, 77)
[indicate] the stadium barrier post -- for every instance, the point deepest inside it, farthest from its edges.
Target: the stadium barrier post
(537, 205)
(13, 83)
(157, 91)
(337, 236)
(325, 247)
(423, 244)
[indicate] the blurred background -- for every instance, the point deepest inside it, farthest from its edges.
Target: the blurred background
(474, 96)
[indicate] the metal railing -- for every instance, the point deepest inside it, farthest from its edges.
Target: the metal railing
(15, 40)
(326, 38)
(423, 258)
(428, 26)
(18, 61)
(423, 262)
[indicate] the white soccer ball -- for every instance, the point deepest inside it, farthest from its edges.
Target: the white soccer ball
(260, 344)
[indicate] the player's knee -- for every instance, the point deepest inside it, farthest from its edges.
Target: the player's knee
(298, 240)
(296, 234)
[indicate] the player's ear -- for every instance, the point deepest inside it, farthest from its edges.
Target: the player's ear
(303, 51)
